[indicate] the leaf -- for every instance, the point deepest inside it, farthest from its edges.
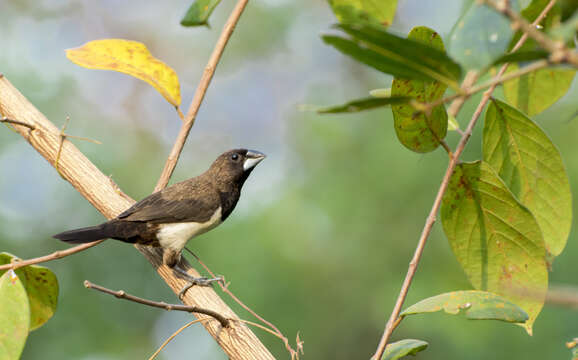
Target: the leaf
(388, 65)
(496, 239)
(566, 31)
(402, 348)
(535, 92)
(199, 12)
(395, 55)
(416, 130)
(479, 36)
(520, 56)
(531, 166)
(129, 57)
(363, 104)
(475, 305)
(14, 316)
(41, 288)
(377, 11)
(380, 93)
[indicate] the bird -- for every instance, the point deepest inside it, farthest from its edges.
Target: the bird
(178, 213)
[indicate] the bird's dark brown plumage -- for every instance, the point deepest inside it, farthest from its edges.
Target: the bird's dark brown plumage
(193, 201)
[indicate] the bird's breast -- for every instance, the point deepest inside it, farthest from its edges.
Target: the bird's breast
(176, 235)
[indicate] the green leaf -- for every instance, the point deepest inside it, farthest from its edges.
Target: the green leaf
(475, 305)
(496, 240)
(363, 104)
(566, 31)
(402, 348)
(535, 92)
(415, 130)
(479, 35)
(376, 11)
(41, 287)
(199, 12)
(395, 55)
(520, 56)
(531, 166)
(372, 58)
(14, 316)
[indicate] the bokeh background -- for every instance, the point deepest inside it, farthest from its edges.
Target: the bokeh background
(323, 234)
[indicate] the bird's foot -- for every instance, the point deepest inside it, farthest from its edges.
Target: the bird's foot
(200, 281)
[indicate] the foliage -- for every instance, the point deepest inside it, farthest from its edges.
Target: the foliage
(476, 305)
(502, 216)
(199, 12)
(14, 316)
(403, 348)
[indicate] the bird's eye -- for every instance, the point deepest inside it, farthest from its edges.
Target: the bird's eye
(235, 157)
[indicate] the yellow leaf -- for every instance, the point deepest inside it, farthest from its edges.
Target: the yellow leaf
(129, 57)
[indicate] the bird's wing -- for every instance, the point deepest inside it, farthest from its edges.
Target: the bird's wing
(160, 208)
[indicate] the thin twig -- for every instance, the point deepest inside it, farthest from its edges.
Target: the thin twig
(225, 288)
(17, 122)
(559, 52)
(200, 94)
(153, 356)
(161, 305)
(394, 318)
(497, 80)
(55, 255)
(62, 137)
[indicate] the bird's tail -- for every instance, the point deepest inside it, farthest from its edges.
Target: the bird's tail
(83, 235)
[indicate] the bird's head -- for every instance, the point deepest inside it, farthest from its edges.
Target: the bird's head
(234, 166)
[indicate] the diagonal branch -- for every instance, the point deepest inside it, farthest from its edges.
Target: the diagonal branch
(394, 318)
(237, 341)
(199, 95)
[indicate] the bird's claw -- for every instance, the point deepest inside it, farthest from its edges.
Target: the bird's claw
(200, 281)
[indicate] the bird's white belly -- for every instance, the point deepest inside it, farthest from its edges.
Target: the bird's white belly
(176, 235)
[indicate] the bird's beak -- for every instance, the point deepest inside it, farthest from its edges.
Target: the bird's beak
(252, 158)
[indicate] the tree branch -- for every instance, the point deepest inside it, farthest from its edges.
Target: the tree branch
(199, 95)
(237, 341)
(55, 255)
(394, 318)
(161, 305)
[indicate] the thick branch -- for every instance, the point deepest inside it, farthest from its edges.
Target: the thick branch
(121, 294)
(237, 341)
(200, 94)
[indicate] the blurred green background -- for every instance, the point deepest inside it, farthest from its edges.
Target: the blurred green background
(321, 239)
